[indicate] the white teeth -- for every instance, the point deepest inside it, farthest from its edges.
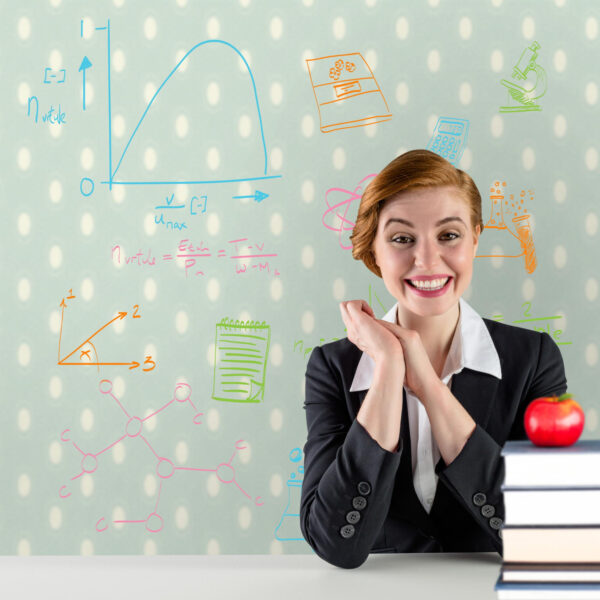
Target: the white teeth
(434, 284)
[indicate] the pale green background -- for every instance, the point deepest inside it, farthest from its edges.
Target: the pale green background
(431, 59)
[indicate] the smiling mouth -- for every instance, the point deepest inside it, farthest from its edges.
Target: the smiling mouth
(431, 286)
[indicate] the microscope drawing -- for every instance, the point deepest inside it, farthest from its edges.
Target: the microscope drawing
(534, 83)
(520, 221)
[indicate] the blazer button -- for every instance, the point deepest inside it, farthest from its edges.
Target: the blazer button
(347, 531)
(496, 522)
(479, 499)
(353, 516)
(359, 502)
(487, 510)
(364, 488)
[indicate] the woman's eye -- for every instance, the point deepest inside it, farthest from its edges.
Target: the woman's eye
(400, 239)
(455, 236)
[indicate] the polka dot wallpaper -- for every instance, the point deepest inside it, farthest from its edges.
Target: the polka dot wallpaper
(198, 166)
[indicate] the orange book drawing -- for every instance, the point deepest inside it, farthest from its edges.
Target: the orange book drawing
(346, 92)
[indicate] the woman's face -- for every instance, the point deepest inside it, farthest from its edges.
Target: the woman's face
(422, 235)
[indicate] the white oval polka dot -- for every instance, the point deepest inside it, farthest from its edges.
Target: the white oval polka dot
(55, 60)
(213, 224)
(560, 126)
(591, 224)
(213, 27)
(245, 126)
(276, 289)
(433, 61)
(213, 289)
(560, 60)
(23, 485)
(118, 125)
(87, 419)
(276, 28)
(182, 126)
(560, 257)
(150, 158)
(276, 93)
(118, 60)
(591, 28)
(181, 321)
(591, 93)
(528, 28)
(276, 223)
(24, 354)
(308, 321)
(528, 158)
(149, 91)
(213, 158)
(24, 224)
(182, 518)
(54, 321)
(371, 58)
(87, 224)
(276, 158)
(402, 93)
(465, 93)
(308, 126)
(87, 158)
(213, 420)
(213, 93)
(497, 61)
(528, 289)
(24, 289)
(276, 355)
(86, 548)
(591, 355)
(87, 289)
(308, 257)
(591, 159)
(591, 419)
(150, 226)
(118, 514)
(339, 158)
(591, 289)
(182, 452)
(55, 257)
(150, 28)
(55, 453)
(119, 453)
(402, 28)
(497, 126)
(339, 289)
(244, 517)
(150, 289)
(465, 28)
(24, 420)
(86, 485)
(24, 159)
(55, 386)
(339, 28)
(55, 517)
(276, 419)
(308, 191)
(560, 191)
(55, 191)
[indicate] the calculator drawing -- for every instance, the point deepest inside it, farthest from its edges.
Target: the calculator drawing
(346, 92)
(449, 138)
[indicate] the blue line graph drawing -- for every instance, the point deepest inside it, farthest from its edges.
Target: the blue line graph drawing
(112, 180)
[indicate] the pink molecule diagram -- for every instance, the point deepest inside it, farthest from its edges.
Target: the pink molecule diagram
(165, 468)
(335, 218)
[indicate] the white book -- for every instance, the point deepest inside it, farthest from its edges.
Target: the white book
(551, 506)
(546, 591)
(557, 572)
(529, 465)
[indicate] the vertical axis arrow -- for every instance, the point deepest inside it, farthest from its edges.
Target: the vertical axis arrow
(85, 64)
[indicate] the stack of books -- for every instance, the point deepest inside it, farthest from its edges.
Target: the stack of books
(551, 531)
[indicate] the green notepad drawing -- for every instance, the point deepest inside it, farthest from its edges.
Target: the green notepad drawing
(241, 350)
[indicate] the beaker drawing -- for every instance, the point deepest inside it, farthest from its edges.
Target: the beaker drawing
(526, 238)
(288, 528)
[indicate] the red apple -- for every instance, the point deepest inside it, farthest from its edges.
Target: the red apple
(554, 421)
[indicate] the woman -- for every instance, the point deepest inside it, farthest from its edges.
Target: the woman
(407, 416)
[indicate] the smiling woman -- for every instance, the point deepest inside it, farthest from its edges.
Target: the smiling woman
(407, 416)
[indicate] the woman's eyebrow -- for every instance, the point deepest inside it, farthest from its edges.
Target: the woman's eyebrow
(409, 224)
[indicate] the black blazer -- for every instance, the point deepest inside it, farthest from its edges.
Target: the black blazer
(359, 498)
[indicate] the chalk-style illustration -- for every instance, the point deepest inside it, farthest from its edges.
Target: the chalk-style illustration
(520, 221)
(346, 92)
(554, 333)
(197, 207)
(288, 528)
(117, 161)
(165, 468)
(191, 253)
(449, 138)
(87, 347)
(533, 76)
(338, 201)
(241, 351)
(54, 76)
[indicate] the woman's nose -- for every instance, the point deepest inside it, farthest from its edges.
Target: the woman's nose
(426, 254)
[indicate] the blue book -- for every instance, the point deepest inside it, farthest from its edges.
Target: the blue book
(545, 590)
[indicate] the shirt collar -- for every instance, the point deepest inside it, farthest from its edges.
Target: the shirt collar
(472, 341)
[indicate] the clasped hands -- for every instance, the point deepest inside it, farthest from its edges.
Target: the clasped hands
(382, 340)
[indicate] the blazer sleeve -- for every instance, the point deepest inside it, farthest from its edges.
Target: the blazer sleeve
(476, 475)
(348, 477)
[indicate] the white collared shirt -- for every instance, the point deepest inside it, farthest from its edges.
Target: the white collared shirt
(471, 347)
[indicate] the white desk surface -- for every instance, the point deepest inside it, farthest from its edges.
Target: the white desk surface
(264, 577)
